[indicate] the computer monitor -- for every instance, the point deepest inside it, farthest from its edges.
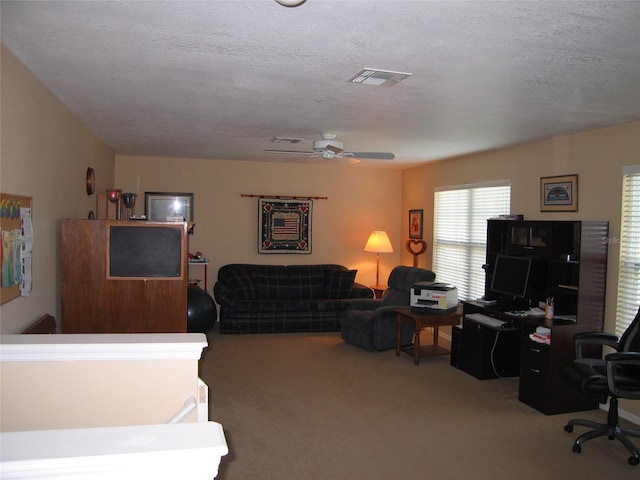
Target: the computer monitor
(511, 276)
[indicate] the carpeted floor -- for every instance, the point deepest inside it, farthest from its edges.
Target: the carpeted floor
(309, 406)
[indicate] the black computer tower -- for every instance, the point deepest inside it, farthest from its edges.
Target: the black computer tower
(487, 352)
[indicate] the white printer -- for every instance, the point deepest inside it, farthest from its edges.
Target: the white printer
(433, 297)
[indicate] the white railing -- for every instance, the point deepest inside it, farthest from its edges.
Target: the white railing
(189, 451)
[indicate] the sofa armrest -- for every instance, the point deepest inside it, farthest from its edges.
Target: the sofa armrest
(223, 294)
(363, 303)
(361, 291)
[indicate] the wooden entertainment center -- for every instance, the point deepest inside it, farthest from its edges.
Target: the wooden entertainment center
(569, 263)
(121, 276)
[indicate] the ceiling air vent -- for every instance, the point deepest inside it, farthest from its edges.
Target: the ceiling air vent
(381, 78)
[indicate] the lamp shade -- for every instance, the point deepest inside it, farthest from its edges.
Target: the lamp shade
(378, 243)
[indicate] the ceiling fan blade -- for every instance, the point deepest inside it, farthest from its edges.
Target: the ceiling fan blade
(371, 155)
(290, 152)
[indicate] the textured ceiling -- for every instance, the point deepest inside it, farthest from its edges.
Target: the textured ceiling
(220, 79)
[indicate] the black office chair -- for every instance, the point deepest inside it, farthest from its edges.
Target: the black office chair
(615, 376)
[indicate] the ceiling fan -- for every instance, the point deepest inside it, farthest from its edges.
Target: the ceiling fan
(329, 148)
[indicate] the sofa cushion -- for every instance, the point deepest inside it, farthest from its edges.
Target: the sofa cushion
(338, 283)
(271, 285)
(305, 286)
(289, 283)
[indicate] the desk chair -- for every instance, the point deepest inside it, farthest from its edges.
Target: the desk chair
(616, 376)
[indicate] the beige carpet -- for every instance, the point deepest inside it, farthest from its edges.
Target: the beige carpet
(309, 406)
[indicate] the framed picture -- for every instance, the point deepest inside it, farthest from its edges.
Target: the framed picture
(168, 206)
(415, 224)
(559, 194)
(284, 226)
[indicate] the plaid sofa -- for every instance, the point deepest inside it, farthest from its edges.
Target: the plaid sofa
(284, 298)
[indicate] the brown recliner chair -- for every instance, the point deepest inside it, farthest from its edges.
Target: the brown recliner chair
(371, 323)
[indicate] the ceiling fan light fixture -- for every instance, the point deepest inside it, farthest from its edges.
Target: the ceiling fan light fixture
(332, 145)
(377, 77)
(291, 3)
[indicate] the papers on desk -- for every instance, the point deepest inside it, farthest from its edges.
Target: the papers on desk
(541, 335)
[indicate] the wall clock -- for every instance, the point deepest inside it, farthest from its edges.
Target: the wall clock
(91, 181)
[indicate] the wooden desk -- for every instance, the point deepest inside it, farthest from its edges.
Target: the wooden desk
(418, 321)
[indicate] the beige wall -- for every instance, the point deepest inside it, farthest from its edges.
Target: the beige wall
(360, 200)
(96, 393)
(596, 156)
(44, 154)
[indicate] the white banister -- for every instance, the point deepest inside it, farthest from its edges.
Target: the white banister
(190, 405)
(86, 347)
(188, 451)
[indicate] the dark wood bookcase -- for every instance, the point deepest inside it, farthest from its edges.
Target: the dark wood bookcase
(93, 301)
(569, 264)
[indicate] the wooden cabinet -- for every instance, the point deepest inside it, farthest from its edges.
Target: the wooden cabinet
(541, 385)
(569, 263)
(95, 298)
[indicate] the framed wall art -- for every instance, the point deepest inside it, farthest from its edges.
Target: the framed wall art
(415, 224)
(284, 225)
(168, 206)
(16, 241)
(559, 193)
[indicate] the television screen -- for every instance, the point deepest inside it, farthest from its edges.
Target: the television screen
(511, 276)
(145, 251)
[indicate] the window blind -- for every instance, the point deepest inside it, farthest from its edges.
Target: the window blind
(460, 232)
(628, 299)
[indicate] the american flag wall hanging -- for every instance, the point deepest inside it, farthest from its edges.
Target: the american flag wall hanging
(285, 225)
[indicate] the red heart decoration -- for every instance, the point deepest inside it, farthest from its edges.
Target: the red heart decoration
(421, 243)
(267, 208)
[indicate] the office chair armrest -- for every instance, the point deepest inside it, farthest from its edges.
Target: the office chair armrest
(623, 374)
(597, 338)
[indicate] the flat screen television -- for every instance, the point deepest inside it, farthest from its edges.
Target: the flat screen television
(511, 276)
(145, 252)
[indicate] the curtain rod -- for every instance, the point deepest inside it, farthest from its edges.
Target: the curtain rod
(283, 197)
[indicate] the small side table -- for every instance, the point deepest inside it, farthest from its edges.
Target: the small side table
(418, 321)
(378, 290)
(205, 264)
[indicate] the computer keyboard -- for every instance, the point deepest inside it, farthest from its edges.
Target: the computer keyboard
(485, 320)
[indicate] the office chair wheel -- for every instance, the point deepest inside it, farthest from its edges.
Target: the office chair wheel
(634, 460)
(576, 448)
(568, 428)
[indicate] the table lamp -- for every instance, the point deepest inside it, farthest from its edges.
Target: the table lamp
(378, 243)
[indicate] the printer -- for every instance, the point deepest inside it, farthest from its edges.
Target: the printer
(433, 297)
